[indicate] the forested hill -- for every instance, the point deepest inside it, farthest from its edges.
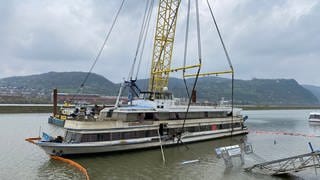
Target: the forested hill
(256, 91)
(314, 89)
(64, 81)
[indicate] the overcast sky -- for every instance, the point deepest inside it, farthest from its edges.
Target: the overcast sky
(265, 38)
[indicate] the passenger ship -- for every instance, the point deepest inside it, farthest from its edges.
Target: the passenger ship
(153, 118)
(314, 117)
(143, 124)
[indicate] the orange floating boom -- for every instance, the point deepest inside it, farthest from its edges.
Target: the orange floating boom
(72, 163)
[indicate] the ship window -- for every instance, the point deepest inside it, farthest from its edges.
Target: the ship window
(151, 133)
(158, 96)
(175, 115)
(104, 137)
(72, 137)
(127, 135)
(205, 128)
(89, 138)
(115, 136)
(167, 96)
(109, 113)
(225, 126)
(191, 129)
(140, 134)
(172, 131)
(236, 125)
(314, 116)
(69, 136)
(149, 116)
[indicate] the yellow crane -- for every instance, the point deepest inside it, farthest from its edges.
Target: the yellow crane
(163, 47)
(163, 44)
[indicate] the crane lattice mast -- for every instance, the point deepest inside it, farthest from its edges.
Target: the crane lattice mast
(163, 44)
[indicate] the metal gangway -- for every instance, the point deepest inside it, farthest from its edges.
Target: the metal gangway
(288, 165)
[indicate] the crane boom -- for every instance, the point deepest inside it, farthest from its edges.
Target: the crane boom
(163, 44)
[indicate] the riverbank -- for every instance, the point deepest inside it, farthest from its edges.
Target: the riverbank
(47, 108)
(26, 109)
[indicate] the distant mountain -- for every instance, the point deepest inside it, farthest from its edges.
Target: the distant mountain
(314, 89)
(65, 82)
(256, 91)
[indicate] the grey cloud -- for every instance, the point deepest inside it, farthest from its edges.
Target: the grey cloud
(267, 39)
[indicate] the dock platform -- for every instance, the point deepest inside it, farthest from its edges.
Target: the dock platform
(288, 165)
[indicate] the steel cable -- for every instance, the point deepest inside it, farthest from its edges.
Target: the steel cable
(229, 61)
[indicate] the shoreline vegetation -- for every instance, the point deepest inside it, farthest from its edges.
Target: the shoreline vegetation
(8, 109)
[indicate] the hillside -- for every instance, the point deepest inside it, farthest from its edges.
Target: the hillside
(314, 89)
(65, 81)
(256, 91)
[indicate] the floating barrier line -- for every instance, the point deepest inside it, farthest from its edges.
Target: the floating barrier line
(69, 161)
(283, 133)
(72, 163)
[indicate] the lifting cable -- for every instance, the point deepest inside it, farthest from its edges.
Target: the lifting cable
(145, 36)
(229, 61)
(140, 39)
(186, 49)
(197, 75)
(101, 48)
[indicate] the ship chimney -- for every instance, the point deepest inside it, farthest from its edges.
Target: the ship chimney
(194, 96)
(55, 102)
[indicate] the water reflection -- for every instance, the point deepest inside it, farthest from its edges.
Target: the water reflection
(315, 128)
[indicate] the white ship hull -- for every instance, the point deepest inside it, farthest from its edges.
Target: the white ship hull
(63, 149)
(314, 120)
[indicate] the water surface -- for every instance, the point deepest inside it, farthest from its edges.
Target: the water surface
(22, 160)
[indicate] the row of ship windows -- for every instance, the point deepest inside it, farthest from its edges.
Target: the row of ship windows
(150, 133)
(176, 115)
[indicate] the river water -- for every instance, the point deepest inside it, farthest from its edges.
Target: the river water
(22, 160)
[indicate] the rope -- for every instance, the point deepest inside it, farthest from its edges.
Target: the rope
(72, 163)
